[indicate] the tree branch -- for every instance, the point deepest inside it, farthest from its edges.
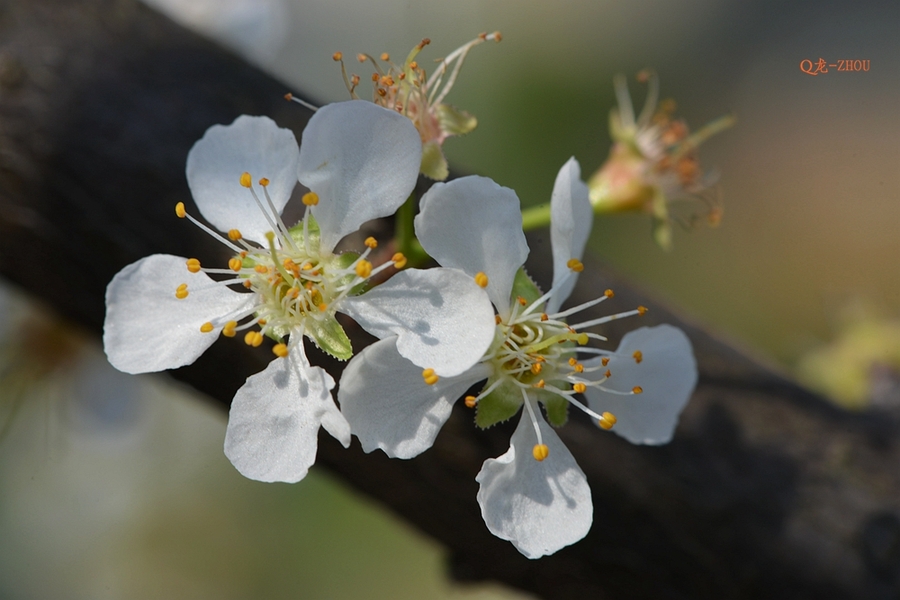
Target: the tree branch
(766, 491)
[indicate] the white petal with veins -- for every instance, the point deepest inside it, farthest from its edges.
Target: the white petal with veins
(539, 506)
(148, 329)
(443, 320)
(275, 417)
(667, 374)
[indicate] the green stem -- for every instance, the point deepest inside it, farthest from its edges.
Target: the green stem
(405, 234)
(535, 217)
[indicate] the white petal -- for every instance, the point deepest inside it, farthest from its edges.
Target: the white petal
(389, 405)
(274, 421)
(475, 225)
(442, 319)
(538, 506)
(362, 160)
(667, 375)
(571, 219)
(254, 145)
(148, 329)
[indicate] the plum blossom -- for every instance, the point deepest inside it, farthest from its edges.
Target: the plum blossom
(409, 90)
(653, 163)
(534, 495)
(359, 162)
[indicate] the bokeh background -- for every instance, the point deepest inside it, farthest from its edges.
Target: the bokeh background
(116, 487)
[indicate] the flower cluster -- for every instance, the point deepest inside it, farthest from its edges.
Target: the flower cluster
(476, 322)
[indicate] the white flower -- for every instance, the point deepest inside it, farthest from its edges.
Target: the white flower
(360, 162)
(535, 495)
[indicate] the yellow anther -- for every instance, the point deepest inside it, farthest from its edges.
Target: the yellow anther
(228, 330)
(413, 65)
(363, 268)
(262, 321)
(638, 356)
(609, 293)
(399, 260)
(261, 269)
(471, 401)
(608, 374)
(234, 235)
(607, 420)
(429, 376)
(637, 389)
(371, 242)
(536, 368)
(544, 316)
(193, 265)
(280, 350)
(579, 387)
(582, 339)
(387, 80)
(540, 452)
(540, 384)
(306, 266)
(385, 56)
(253, 338)
(248, 284)
(337, 56)
(310, 199)
(264, 182)
(206, 327)
(481, 279)
(179, 210)
(538, 358)
(642, 310)
(578, 368)
(497, 319)
(323, 307)
(246, 180)
(374, 75)
(181, 292)
(604, 361)
(573, 361)
(289, 264)
(575, 264)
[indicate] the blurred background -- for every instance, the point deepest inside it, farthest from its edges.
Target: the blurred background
(117, 485)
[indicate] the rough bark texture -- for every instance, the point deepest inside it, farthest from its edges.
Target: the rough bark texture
(767, 491)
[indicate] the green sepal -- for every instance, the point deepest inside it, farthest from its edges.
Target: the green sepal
(330, 337)
(556, 407)
(312, 228)
(434, 164)
(454, 121)
(524, 286)
(498, 406)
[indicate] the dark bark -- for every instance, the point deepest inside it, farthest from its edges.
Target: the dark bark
(766, 491)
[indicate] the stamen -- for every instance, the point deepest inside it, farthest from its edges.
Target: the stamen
(337, 56)
(280, 350)
(536, 368)
(607, 421)
(229, 329)
(609, 293)
(310, 199)
(575, 264)
(637, 389)
(481, 279)
(181, 292)
(206, 327)
(371, 242)
(179, 210)
(429, 376)
(235, 264)
(642, 310)
(253, 338)
(540, 452)
(385, 56)
(471, 401)
(234, 235)
(638, 356)
(399, 260)
(193, 265)
(246, 180)
(363, 268)
(579, 387)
